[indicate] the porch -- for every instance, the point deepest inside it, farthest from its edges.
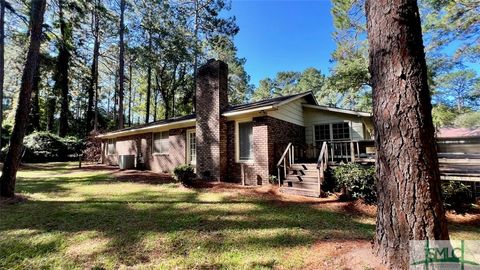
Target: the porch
(301, 168)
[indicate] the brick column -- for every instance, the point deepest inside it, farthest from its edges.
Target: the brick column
(211, 130)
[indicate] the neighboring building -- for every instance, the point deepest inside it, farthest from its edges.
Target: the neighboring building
(448, 132)
(231, 143)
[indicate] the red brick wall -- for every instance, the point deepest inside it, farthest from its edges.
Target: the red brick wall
(134, 144)
(211, 101)
(270, 136)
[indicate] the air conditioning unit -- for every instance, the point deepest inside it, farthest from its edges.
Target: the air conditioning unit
(126, 162)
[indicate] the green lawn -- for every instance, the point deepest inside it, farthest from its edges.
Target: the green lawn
(77, 219)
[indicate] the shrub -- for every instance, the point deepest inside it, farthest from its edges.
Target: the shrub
(360, 181)
(457, 196)
(273, 180)
(48, 147)
(185, 174)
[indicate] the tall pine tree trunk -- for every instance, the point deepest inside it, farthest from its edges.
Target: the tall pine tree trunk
(63, 63)
(121, 67)
(409, 199)
(130, 69)
(12, 160)
(149, 81)
(51, 107)
(93, 82)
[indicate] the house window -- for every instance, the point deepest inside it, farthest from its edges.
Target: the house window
(245, 140)
(160, 142)
(334, 131)
(322, 132)
(111, 146)
(341, 131)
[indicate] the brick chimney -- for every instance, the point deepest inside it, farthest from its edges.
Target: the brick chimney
(211, 130)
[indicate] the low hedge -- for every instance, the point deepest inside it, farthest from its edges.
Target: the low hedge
(48, 147)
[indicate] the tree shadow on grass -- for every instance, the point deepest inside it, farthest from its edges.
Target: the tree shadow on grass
(189, 221)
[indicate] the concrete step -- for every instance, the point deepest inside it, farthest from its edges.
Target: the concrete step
(299, 192)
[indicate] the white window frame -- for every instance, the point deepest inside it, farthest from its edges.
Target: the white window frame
(330, 124)
(153, 143)
(114, 142)
(237, 142)
(188, 156)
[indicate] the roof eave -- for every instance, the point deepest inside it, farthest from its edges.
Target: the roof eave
(115, 134)
(259, 109)
(338, 110)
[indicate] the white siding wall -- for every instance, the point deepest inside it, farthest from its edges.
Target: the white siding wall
(291, 112)
(316, 117)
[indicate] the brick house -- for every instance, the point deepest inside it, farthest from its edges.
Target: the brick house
(234, 143)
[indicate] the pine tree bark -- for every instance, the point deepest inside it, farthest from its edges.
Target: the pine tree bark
(93, 82)
(409, 198)
(12, 160)
(121, 90)
(63, 63)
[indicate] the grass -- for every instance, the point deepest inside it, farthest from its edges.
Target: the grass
(77, 219)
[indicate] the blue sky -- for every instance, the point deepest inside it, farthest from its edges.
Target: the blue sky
(283, 36)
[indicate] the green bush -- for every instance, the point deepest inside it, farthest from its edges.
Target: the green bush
(360, 181)
(48, 147)
(457, 196)
(185, 174)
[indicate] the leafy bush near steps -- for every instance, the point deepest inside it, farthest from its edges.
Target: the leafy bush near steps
(359, 180)
(48, 147)
(457, 196)
(185, 174)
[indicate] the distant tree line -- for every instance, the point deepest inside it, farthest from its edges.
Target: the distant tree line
(108, 64)
(451, 32)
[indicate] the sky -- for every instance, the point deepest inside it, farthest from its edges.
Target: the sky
(283, 35)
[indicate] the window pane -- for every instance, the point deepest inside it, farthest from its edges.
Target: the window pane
(111, 147)
(341, 131)
(245, 140)
(322, 132)
(160, 142)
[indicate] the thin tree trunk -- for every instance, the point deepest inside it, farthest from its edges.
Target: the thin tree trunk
(12, 160)
(121, 66)
(92, 85)
(155, 102)
(115, 100)
(2, 62)
(149, 81)
(130, 93)
(95, 123)
(409, 198)
(63, 64)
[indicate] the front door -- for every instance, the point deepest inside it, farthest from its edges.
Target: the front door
(191, 147)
